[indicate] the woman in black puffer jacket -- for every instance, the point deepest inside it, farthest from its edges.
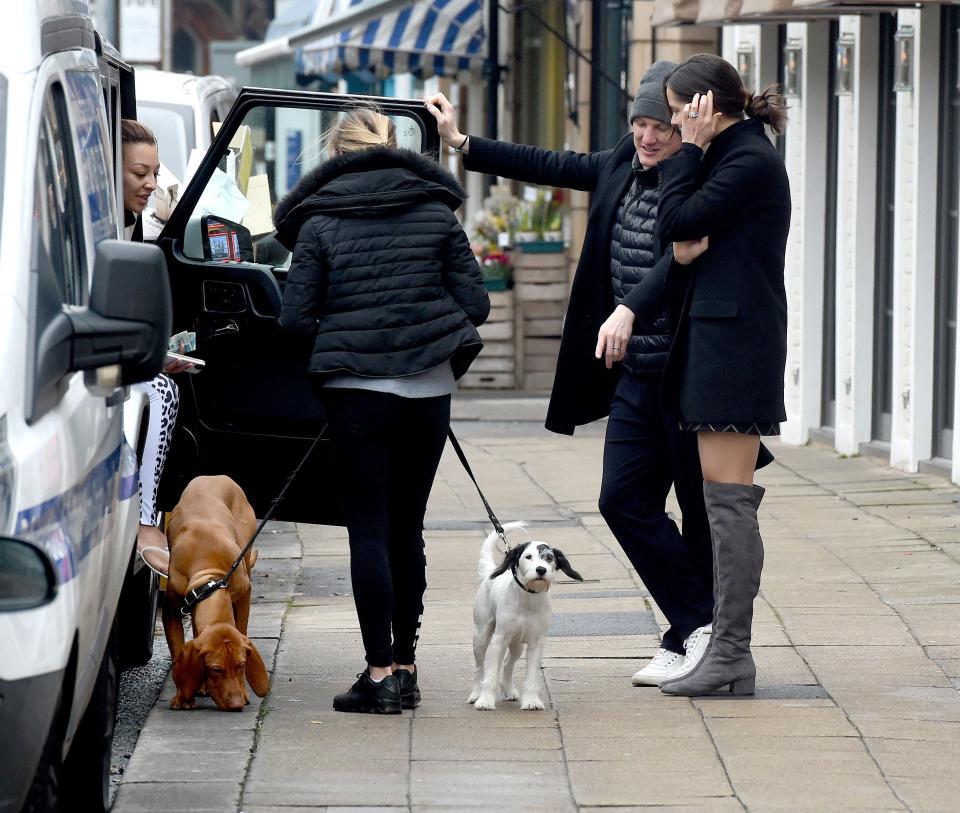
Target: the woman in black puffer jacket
(384, 279)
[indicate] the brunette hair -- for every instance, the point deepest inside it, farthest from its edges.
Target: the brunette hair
(133, 132)
(361, 129)
(703, 72)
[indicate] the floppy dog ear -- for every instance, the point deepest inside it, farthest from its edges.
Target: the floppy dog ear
(510, 561)
(188, 675)
(256, 672)
(564, 565)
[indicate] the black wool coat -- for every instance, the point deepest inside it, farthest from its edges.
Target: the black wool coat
(382, 274)
(583, 386)
(729, 353)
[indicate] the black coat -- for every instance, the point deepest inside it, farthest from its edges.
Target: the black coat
(728, 357)
(382, 272)
(583, 386)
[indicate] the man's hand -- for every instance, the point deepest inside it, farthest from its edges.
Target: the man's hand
(687, 251)
(614, 335)
(446, 115)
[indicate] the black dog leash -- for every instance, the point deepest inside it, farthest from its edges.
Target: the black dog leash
(198, 594)
(493, 517)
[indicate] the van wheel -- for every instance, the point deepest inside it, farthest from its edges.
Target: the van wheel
(44, 793)
(86, 772)
(137, 614)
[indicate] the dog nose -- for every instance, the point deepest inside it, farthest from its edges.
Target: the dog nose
(541, 571)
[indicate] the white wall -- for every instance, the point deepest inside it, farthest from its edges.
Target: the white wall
(806, 166)
(856, 239)
(915, 248)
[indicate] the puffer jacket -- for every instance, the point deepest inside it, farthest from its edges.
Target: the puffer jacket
(631, 259)
(382, 272)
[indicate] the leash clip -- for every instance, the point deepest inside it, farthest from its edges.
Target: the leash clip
(198, 594)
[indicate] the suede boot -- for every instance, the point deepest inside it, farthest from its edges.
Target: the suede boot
(738, 560)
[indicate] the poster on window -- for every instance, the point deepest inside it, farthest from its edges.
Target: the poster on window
(141, 25)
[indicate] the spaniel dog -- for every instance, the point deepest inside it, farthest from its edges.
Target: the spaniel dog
(512, 608)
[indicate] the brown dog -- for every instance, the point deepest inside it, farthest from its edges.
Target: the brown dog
(208, 529)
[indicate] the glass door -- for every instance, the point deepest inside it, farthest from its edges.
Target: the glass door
(948, 257)
(883, 281)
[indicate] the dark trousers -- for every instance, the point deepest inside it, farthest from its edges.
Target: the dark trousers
(644, 452)
(387, 450)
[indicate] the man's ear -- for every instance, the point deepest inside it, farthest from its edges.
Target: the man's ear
(256, 672)
(564, 565)
(509, 561)
(188, 674)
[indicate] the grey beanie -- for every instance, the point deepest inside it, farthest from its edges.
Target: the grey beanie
(651, 101)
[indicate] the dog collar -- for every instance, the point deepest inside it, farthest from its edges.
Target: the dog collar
(513, 571)
(198, 594)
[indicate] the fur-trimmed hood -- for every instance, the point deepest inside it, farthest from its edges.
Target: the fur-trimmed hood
(364, 184)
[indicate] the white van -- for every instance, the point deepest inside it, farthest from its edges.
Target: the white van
(181, 110)
(82, 315)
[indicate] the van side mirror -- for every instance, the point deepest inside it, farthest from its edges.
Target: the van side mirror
(127, 322)
(27, 577)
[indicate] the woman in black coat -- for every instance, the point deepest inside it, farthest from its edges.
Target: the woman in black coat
(384, 281)
(724, 376)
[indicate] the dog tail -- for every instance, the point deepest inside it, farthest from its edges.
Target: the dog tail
(490, 557)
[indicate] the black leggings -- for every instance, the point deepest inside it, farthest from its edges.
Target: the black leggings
(387, 450)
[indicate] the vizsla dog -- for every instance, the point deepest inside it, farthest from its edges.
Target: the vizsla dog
(208, 529)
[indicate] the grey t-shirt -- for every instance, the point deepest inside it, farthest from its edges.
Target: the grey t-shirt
(430, 383)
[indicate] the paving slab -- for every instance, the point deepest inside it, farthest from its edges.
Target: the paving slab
(855, 638)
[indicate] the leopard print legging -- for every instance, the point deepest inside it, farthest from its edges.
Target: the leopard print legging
(164, 404)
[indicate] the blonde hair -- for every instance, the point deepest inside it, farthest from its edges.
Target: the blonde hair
(361, 129)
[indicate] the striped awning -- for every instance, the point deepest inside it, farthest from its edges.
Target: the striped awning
(429, 37)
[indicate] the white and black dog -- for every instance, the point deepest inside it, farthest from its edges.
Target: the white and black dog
(512, 608)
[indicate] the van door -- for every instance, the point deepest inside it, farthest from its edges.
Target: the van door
(251, 413)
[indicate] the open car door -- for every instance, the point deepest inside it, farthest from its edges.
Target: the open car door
(251, 413)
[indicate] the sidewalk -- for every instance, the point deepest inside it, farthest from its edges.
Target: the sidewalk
(857, 642)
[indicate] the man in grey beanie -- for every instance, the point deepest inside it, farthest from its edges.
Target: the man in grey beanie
(604, 368)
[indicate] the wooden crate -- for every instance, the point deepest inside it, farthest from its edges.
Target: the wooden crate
(541, 291)
(495, 367)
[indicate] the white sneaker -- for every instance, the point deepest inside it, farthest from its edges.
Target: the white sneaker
(657, 669)
(695, 644)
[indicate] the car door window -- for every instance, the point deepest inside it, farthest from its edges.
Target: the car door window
(267, 156)
(89, 125)
(58, 214)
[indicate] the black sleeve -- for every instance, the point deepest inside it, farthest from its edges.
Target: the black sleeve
(462, 275)
(691, 207)
(570, 170)
(305, 289)
(663, 284)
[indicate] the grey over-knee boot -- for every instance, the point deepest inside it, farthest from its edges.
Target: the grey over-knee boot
(738, 560)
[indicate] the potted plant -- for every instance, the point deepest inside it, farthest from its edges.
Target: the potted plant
(497, 271)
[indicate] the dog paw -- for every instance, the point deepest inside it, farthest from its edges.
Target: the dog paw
(531, 703)
(486, 702)
(178, 703)
(511, 693)
(473, 696)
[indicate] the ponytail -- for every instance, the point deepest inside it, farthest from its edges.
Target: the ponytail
(768, 106)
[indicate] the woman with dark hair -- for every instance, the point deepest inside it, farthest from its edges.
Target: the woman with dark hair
(724, 378)
(384, 283)
(141, 164)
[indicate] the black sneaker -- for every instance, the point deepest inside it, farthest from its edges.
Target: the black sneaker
(409, 691)
(369, 697)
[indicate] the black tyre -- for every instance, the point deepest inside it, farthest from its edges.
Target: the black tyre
(85, 779)
(137, 614)
(44, 793)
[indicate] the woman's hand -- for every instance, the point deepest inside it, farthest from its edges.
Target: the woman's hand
(614, 335)
(687, 251)
(173, 366)
(446, 115)
(700, 127)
